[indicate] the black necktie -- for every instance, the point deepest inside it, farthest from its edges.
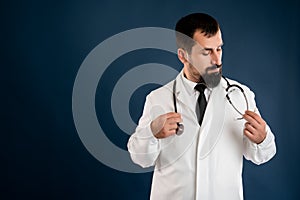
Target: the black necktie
(201, 101)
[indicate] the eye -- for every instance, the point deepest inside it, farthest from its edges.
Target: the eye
(206, 52)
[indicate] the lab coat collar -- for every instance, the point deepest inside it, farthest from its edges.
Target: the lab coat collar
(187, 84)
(184, 89)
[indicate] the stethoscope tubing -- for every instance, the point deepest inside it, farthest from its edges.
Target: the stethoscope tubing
(180, 128)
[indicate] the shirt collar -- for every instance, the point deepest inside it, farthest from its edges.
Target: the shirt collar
(189, 85)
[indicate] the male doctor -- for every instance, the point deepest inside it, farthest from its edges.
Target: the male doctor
(191, 132)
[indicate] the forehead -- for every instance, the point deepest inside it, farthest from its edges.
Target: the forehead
(208, 42)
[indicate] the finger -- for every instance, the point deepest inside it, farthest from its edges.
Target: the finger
(168, 130)
(250, 120)
(249, 135)
(172, 115)
(173, 127)
(168, 118)
(174, 120)
(171, 132)
(250, 128)
(254, 116)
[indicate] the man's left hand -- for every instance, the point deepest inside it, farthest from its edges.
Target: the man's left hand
(255, 127)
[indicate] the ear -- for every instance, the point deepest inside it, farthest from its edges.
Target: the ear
(182, 55)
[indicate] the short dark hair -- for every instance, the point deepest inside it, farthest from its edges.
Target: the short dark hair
(191, 23)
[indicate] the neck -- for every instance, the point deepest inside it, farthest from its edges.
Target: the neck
(191, 77)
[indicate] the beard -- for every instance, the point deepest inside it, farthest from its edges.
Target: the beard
(212, 80)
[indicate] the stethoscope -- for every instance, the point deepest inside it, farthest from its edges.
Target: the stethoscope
(180, 127)
(230, 88)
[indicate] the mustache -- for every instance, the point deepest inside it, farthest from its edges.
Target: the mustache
(213, 67)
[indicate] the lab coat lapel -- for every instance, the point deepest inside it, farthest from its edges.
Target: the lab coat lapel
(183, 98)
(191, 128)
(213, 121)
(210, 131)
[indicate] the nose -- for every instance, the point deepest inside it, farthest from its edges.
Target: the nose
(216, 57)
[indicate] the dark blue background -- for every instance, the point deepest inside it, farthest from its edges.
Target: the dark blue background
(43, 44)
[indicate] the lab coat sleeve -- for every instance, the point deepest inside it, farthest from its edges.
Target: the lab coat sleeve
(260, 153)
(143, 147)
(263, 152)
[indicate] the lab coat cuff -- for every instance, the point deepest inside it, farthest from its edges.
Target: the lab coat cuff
(269, 138)
(265, 143)
(152, 138)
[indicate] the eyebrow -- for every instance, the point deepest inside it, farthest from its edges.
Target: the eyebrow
(210, 49)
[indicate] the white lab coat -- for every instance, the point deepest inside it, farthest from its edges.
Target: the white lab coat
(204, 163)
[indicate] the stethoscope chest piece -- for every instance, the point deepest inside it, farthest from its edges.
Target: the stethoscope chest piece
(180, 129)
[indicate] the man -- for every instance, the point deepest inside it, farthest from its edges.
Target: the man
(205, 159)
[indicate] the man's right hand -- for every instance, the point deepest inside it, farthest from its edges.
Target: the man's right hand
(165, 125)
